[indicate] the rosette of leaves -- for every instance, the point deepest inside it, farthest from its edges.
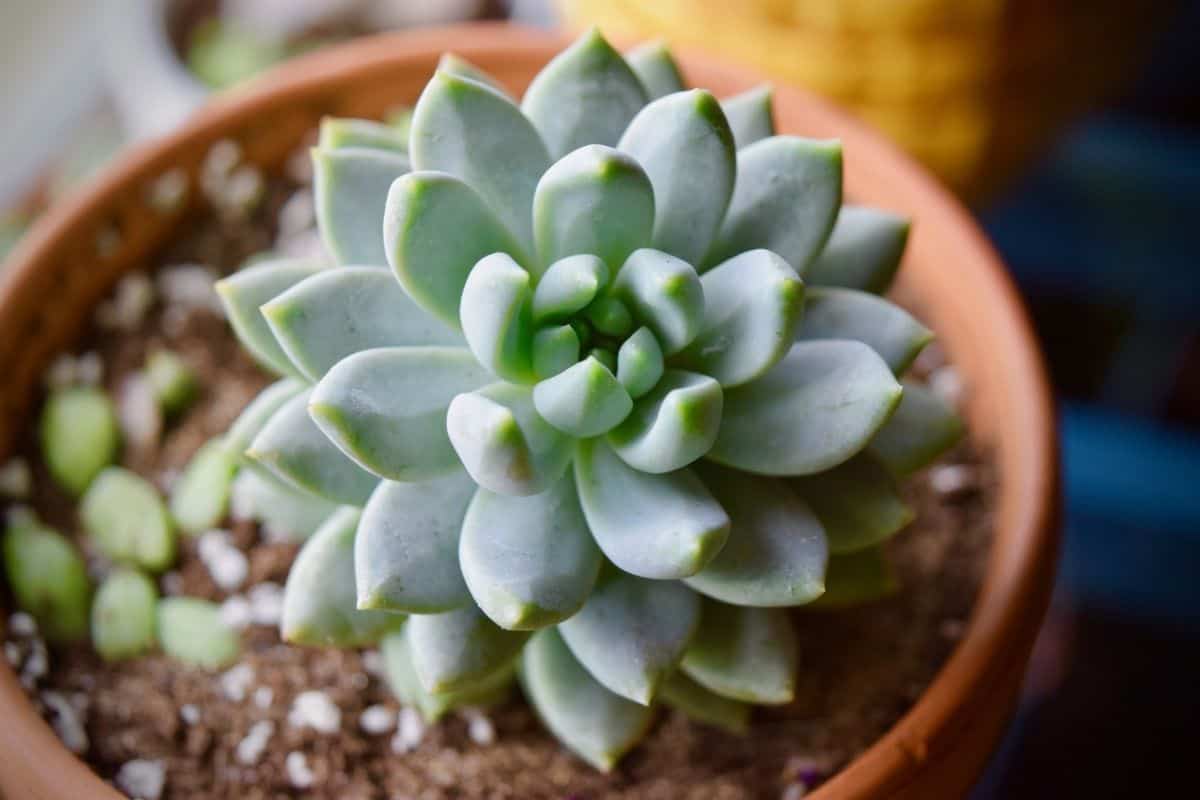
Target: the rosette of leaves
(607, 373)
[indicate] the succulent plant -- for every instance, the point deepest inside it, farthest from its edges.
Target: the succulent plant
(567, 365)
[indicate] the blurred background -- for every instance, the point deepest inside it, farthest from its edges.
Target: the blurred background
(1072, 129)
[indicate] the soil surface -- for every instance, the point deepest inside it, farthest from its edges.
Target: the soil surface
(235, 734)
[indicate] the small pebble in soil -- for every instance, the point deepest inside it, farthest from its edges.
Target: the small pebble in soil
(794, 792)
(235, 612)
(264, 696)
(952, 479)
(142, 779)
(251, 748)
(377, 719)
(409, 732)
(266, 603)
(65, 720)
(227, 565)
(313, 709)
(480, 729)
(947, 383)
(22, 624)
(236, 681)
(16, 479)
(373, 663)
(189, 713)
(300, 775)
(139, 413)
(127, 307)
(189, 286)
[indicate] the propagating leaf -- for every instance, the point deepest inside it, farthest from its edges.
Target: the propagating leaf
(79, 435)
(752, 308)
(284, 511)
(457, 65)
(568, 286)
(386, 408)
(583, 400)
(339, 132)
(336, 313)
(47, 577)
(655, 67)
(640, 363)
(850, 314)
(529, 561)
(857, 578)
(587, 94)
(684, 694)
(777, 548)
(684, 143)
(475, 133)
(200, 498)
(458, 649)
(350, 187)
(406, 553)
(436, 228)
(665, 294)
(243, 293)
(923, 427)
(744, 653)
(294, 449)
(857, 503)
(596, 724)
(786, 199)
(259, 411)
(632, 632)
(192, 632)
(124, 618)
(497, 317)
(127, 520)
(554, 350)
(504, 443)
(863, 252)
(750, 115)
(172, 380)
(815, 409)
(673, 425)
(406, 685)
(319, 600)
(656, 526)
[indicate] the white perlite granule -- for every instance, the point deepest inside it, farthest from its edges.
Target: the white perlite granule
(264, 696)
(12, 652)
(69, 370)
(373, 663)
(142, 779)
(266, 603)
(89, 369)
(235, 612)
(22, 624)
(952, 478)
(313, 709)
(947, 383)
(480, 728)
(128, 305)
(189, 713)
(794, 792)
(16, 479)
(251, 748)
(300, 775)
(66, 722)
(139, 412)
(377, 719)
(227, 565)
(189, 286)
(235, 682)
(410, 731)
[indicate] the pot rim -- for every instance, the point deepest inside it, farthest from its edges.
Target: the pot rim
(1015, 592)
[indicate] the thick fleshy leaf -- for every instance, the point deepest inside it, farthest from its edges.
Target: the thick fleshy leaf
(529, 561)
(406, 685)
(684, 694)
(752, 307)
(684, 143)
(744, 653)
(583, 400)
(244, 292)
(850, 314)
(259, 411)
(335, 313)
(815, 409)
(554, 350)
(776, 552)
(787, 197)
(863, 252)
(594, 200)
(656, 526)
(350, 186)
(568, 286)
(655, 67)
(673, 425)
(857, 503)
(632, 632)
(750, 115)
(284, 511)
(923, 427)
(504, 443)
(596, 724)
(587, 94)
(386, 408)
(497, 317)
(455, 64)
(458, 649)
(857, 578)
(406, 553)
(665, 294)
(436, 228)
(294, 449)
(610, 317)
(319, 606)
(339, 132)
(473, 132)
(640, 362)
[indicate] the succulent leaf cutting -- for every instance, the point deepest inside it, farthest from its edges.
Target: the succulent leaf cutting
(607, 381)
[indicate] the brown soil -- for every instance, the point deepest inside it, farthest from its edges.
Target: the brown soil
(861, 668)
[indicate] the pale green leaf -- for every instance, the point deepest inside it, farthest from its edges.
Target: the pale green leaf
(655, 67)
(350, 187)
(243, 294)
(665, 294)
(673, 425)
(750, 115)
(858, 578)
(640, 362)
(583, 400)
(886, 328)
(568, 286)
(459, 649)
(259, 410)
(923, 427)
(863, 252)
(497, 317)
(857, 502)
(455, 64)
(406, 685)
(284, 511)
(684, 694)
(337, 132)
(554, 350)
(744, 653)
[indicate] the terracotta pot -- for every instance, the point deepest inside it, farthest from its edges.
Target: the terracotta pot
(73, 257)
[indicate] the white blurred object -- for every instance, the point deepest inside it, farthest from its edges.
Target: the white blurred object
(279, 20)
(387, 14)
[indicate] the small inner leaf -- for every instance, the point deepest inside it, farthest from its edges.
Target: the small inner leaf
(497, 317)
(673, 425)
(850, 314)
(665, 294)
(640, 362)
(863, 252)
(583, 400)
(655, 67)
(350, 187)
(568, 286)
(554, 350)
(750, 115)
(743, 653)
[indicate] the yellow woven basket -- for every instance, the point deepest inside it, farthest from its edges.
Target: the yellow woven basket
(972, 88)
